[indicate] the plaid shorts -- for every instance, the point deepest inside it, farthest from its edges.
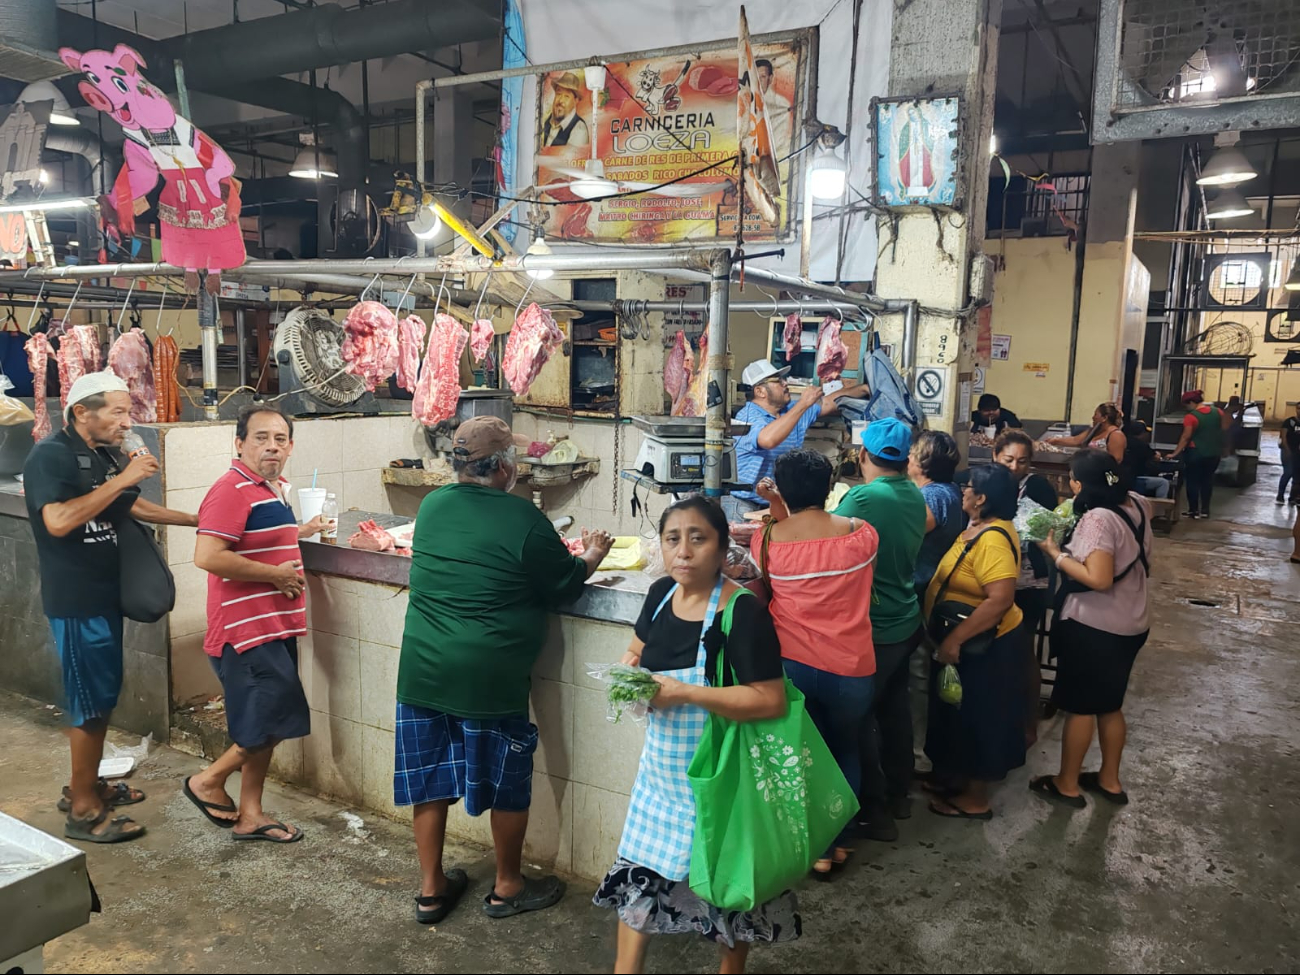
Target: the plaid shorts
(488, 763)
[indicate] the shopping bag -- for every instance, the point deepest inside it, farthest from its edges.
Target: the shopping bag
(769, 800)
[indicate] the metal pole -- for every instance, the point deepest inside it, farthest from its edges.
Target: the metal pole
(421, 96)
(241, 345)
(805, 232)
(182, 92)
(716, 413)
(209, 328)
(804, 286)
(910, 321)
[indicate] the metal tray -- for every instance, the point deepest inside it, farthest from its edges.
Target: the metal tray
(681, 427)
(43, 882)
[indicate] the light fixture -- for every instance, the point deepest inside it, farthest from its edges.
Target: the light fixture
(594, 76)
(1227, 205)
(74, 243)
(1227, 167)
(47, 91)
(993, 143)
(426, 223)
(1293, 279)
(44, 177)
(313, 162)
(828, 175)
(39, 206)
(539, 248)
(594, 183)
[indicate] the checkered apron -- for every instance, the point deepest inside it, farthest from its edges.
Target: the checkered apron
(661, 816)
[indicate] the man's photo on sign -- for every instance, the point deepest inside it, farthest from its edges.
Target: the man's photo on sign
(563, 123)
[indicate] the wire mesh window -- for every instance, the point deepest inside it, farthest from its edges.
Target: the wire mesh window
(1050, 207)
(1183, 52)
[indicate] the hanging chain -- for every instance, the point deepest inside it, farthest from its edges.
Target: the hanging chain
(618, 463)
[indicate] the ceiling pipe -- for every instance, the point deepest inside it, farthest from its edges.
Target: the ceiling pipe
(27, 41)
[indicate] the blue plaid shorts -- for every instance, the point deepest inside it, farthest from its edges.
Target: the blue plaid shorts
(438, 756)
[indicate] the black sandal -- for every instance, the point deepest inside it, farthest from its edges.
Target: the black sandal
(1045, 787)
(535, 895)
(434, 909)
(958, 812)
(206, 807)
(114, 794)
(1091, 782)
(264, 833)
(83, 829)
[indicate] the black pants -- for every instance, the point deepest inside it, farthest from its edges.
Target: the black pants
(1200, 483)
(887, 734)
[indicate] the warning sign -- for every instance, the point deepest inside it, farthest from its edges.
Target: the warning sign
(930, 390)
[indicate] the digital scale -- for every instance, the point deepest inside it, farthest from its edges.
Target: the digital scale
(673, 449)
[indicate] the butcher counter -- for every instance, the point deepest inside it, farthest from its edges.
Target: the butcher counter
(585, 766)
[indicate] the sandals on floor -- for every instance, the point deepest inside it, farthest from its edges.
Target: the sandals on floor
(114, 794)
(1091, 782)
(536, 895)
(264, 833)
(117, 832)
(833, 864)
(1045, 787)
(432, 910)
(950, 811)
(206, 807)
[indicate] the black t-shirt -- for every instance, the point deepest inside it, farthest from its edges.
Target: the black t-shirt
(1291, 430)
(673, 644)
(1007, 419)
(79, 572)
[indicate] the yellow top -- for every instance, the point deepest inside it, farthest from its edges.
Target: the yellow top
(991, 559)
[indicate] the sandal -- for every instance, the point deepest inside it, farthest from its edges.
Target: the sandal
(433, 909)
(836, 861)
(206, 807)
(264, 833)
(535, 895)
(114, 794)
(1091, 782)
(117, 832)
(1045, 787)
(956, 812)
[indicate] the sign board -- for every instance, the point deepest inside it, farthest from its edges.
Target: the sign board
(918, 150)
(978, 379)
(1040, 369)
(659, 120)
(963, 401)
(931, 386)
(1001, 349)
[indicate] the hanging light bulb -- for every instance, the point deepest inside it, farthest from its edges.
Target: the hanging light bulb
(828, 175)
(426, 223)
(1227, 205)
(313, 163)
(539, 248)
(1293, 279)
(1227, 167)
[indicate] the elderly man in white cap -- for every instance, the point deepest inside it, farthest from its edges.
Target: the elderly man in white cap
(776, 425)
(78, 487)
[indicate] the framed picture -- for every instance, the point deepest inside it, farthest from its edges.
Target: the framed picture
(918, 150)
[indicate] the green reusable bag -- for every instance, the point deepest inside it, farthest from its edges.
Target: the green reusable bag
(769, 800)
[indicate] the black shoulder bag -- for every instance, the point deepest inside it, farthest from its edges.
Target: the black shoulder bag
(147, 587)
(948, 614)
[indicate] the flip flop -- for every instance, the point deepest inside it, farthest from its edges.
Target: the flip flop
(959, 813)
(264, 833)
(1091, 781)
(114, 794)
(205, 807)
(536, 895)
(1045, 788)
(432, 910)
(82, 829)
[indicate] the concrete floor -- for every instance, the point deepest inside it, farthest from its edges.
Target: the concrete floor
(1201, 873)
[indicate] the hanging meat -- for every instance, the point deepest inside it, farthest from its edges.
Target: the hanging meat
(696, 394)
(166, 357)
(832, 356)
(78, 354)
(129, 359)
(38, 354)
(370, 346)
(793, 336)
(677, 367)
(480, 338)
(410, 344)
(438, 390)
(532, 341)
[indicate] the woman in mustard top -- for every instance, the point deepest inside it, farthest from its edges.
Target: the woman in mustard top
(983, 739)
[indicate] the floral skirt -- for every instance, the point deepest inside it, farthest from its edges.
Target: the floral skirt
(652, 904)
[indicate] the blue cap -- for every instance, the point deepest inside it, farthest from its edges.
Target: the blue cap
(890, 439)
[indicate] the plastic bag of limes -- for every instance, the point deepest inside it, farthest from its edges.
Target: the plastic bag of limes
(950, 686)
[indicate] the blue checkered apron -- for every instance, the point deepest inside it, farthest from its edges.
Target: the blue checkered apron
(661, 816)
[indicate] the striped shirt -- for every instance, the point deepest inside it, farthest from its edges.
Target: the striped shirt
(243, 508)
(753, 463)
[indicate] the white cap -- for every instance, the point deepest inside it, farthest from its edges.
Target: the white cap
(93, 384)
(761, 370)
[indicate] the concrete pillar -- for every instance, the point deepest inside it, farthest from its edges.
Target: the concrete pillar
(940, 47)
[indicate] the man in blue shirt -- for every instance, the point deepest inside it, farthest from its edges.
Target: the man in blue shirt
(776, 425)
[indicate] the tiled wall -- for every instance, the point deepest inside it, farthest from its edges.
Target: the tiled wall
(585, 765)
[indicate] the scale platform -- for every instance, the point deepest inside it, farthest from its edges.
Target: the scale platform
(673, 451)
(659, 487)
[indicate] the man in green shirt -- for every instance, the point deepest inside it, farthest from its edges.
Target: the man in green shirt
(894, 506)
(486, 568)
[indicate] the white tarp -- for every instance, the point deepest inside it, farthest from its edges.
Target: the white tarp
(559, 30)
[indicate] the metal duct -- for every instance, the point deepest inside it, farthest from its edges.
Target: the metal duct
(28, 40)
(84, 144)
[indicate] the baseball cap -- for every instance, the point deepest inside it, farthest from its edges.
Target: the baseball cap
(480, 437)
(890, 439)
(1191, 396)
(761, 370)
(93, 384)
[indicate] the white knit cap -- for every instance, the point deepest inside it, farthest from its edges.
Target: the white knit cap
(92, 384)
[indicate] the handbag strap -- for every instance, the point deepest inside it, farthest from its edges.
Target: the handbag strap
(768, 526)
(727, 615)
(966, 551)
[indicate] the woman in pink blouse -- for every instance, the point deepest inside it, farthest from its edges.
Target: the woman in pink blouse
(819, 567)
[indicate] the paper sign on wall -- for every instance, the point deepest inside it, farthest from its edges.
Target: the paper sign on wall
(1039, 369)
(1001, 347)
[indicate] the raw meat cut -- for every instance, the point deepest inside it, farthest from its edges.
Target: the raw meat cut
(410, 343)
(532, 341)
(370, 347)
(575, 225)
(78, 354)
(38, 353)
(793, 336)
(690, 380)
(372, 538)
(129, 359)
(438, 390)
(677, 367)
(576, 546)
(832, 356)
(166, 357)
(480, 338)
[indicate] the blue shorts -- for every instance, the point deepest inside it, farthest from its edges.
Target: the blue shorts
(90, 652)
(265, 702)
(488, 763)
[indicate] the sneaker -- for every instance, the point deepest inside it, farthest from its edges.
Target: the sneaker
(1191, 515)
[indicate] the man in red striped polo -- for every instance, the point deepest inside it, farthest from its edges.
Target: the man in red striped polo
(248, 543)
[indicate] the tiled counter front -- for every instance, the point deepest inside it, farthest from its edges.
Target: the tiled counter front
(585, 765)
